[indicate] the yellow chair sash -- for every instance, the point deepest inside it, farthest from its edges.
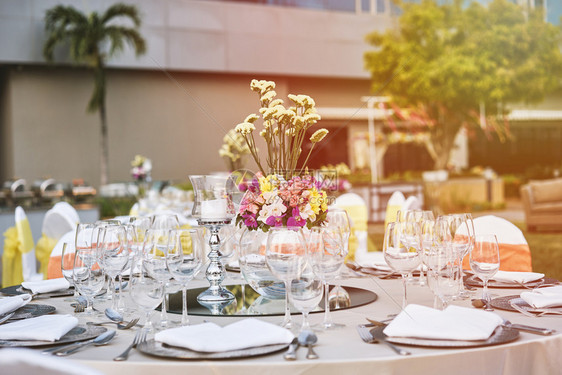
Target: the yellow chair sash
(12, 273)
(45, 246)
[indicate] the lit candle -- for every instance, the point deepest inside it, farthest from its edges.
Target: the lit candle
(213, 209)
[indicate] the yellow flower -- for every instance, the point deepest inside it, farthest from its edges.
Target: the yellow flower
(318, 135)
(298, 121)
(267, 97)
(266, 86)
(138, 161)
(268, 183)
(268, 113)
(276, 102)
(263, 133)
(312, 118)
(245, 128)
(251, 118)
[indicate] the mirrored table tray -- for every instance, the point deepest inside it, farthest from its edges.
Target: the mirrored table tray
(250, 303)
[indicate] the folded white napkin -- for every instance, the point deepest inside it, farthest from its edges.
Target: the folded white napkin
(9, 304)
(46, 286)
(544, 297)
(453, 323)
(517, 277)
(209, 337)
(41, 328)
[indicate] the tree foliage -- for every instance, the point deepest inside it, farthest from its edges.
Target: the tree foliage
(447, 60)
(92, 39)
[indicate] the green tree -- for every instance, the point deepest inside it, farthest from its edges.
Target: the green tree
(93, 38)
(451, 61)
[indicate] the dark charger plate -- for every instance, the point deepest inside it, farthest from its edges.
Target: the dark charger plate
(78, 333)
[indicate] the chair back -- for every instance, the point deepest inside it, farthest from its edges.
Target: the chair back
(394, 205)
(54, 264)
(515, 254)
(358, 216)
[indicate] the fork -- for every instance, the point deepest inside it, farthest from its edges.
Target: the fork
(140, 337)
(120, 325)
(521, 309)
(367, 337)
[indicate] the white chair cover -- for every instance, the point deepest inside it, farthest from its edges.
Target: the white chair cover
(56, 223)
(394, 204)
(28, 262)
(66, 209)
(412, 203)
(505, 231)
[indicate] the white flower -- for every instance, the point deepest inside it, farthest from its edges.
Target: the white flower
(307, 212)
(245, 128)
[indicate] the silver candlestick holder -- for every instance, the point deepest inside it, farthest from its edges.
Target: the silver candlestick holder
(215, 271)
(213, 208)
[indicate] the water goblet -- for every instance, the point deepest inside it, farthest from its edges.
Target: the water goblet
(67, 268)
(285, 256)
(443, 272)
(399, 254)
(114, 256)
(305, 294)
(146, 291)
(165, 221)
(184, 260)
(485, 260)
(156, 244)
(326, 254)
(88, 276)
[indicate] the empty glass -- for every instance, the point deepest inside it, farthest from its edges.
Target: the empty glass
(485, 260)
(285, 256)
(326, 254)
(67, 268)
(184, 259)
(88, 276)
(114, 256)
(443, 272)
(305, 294)
(146, 291)
(400, 254)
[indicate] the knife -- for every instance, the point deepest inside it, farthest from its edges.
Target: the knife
(378, 334)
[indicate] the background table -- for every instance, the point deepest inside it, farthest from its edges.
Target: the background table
(343, 352)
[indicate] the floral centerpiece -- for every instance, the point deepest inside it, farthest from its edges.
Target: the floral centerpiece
(233, 150)
(142, 167)
(278, 195)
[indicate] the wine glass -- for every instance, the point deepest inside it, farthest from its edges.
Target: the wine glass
(114, 255)
(399, 254)
(305, 294)
(156, 244)
(146, 291)
(443, 271)
(67, 268)
(326, 254)
(462, 231)
(165, 221)
(285, 256)
(184, 259)
(485, 260)
(88, 276)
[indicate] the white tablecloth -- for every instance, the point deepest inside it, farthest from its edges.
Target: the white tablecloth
(343, 352)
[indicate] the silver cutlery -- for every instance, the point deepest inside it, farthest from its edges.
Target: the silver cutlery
(140, 337)
(291, 354)
(375, 335)
(378, 334)
(102, 339)
(6, 317)
(120, 325)
(530, 329)
(308, 339)
(521, 309)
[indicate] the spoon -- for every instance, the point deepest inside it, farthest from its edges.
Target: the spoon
(308, 338)
(291, 354)
(102, 339)
(114, 315)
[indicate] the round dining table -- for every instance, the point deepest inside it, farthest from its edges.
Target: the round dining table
(341, 351)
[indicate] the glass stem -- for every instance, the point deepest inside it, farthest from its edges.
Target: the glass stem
(405, 297)
(327, 315)
(485, 295)
(112, 293)
(305, 325)
(184, 317)
(164, 312)
(287, 318)
(120, 303)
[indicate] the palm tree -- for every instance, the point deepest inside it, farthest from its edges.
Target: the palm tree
(87, 36)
